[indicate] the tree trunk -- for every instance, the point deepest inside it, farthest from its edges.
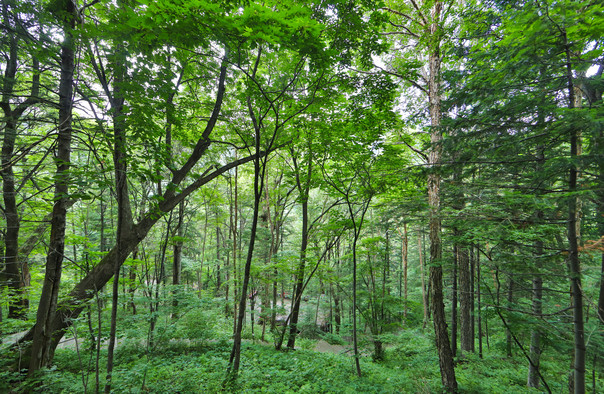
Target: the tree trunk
(41, 348)
(16, 272)
(508, 334)
(259, 171)
(96, 279)
(235, 356)
(218, 273)
(234, 223)
(177, 253)
(454, 297)
(445, 355)
(404, 251)
(465, 300)
(573, 240)
(478, 303)
(124, 211)
(297, 296)
(537, 309)
(303, 189)
(355, 343)
(425, 297)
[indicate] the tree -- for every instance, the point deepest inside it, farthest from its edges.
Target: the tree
(280, 85)
(42, 350)
(164, 201)
(537, 58)
(14, 104)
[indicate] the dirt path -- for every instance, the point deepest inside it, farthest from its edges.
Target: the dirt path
(324, 347)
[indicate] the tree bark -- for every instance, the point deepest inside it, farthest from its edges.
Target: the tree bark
(478, 302)
(465, 300)
(533, 378)
(259, 169)
(404, 252)
(303, 190)
(15, 268)
(75, 302)
(124, 211)
(445, 355)
(573, 240)
(425, 296)
(41, 348)
(454, 299)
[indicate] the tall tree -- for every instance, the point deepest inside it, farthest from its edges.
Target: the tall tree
(42, 350)
(13, 108)
(532, 104)
(179, 188)
(445, 355)
(282, 78)
(422, 24)
(117, 100)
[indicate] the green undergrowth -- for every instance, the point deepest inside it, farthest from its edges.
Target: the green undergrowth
(411, 366)
(180, 368)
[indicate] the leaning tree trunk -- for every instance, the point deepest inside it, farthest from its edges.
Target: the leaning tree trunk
(42, 350)
(75, 301)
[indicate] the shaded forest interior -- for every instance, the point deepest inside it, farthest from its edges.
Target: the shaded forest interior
(321, 196)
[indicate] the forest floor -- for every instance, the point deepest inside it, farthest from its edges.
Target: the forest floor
(190, 366)
(191, 355)
(325, 347)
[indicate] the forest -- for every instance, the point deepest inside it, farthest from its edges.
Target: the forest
(315, 196)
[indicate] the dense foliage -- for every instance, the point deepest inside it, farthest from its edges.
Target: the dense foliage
(317, 196)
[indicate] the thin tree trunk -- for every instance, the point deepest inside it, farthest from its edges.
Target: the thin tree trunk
(132, 282)
(259, 171)
(218, 271)
(473, 295)
(573, 240)
(405, 248)
(355, 343)
(465, 303)
(533, 378)
(454, 293)
(303, 190)
(235, 243)
(508, 334)
(479, 304)
(177, 252)
(235, 356)
(425, 299)
(124, 212)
